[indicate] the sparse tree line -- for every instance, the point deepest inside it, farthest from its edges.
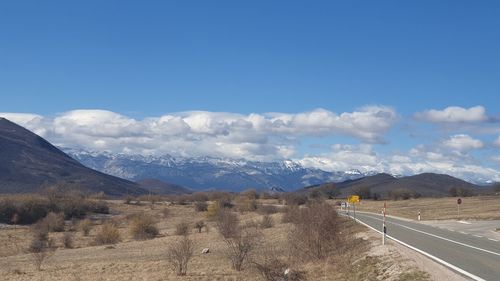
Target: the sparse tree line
(315, 229)
(30, 208)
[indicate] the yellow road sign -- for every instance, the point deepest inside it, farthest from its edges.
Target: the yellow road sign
(353, 199)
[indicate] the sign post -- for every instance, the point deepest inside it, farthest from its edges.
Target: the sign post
(459, 201)
(353, 199)
(384, 228)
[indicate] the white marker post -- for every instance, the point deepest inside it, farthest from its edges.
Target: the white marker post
(418, 215)
(384, 229)
(354, 211)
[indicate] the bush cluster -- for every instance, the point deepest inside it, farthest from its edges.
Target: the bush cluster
(28, 209)
(143, 226)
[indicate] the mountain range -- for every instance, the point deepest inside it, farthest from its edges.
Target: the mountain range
(28, 163)
(206, 173)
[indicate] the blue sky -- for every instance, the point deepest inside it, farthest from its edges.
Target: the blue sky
(143, 60)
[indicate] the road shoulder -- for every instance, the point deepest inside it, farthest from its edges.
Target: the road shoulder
(406, 258)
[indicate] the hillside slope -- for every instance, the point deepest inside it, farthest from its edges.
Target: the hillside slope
(426, 184)
(161, 187)
(29, 162)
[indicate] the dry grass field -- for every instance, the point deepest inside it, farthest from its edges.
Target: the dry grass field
(132, 259)
(472, 208)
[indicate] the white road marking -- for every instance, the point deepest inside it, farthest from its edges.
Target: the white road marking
(493, 239)
(443, 238)
(463, 232)
(464, 222)
(458, 269)
(478, 236)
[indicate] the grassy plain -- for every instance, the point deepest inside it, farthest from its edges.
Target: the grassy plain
(145, 260)
(472, 208)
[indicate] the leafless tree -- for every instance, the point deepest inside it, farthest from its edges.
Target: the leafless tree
(316, 232)
(179, 254)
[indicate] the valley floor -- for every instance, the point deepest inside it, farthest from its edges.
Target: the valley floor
(145, 260)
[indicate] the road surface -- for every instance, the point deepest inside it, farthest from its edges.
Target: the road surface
(476, 257)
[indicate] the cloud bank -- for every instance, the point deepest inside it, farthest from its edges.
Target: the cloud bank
(454, 114)
(276, 136)
(254, 136)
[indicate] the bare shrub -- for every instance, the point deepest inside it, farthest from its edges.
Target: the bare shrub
(295, 199)
(199, 197)
(227, 223)
(200, 225)
(245, 204)
(40, 230)
(179, 254)
(200, 206)
(108, 234)
(240, 240)
(182, 228)
(290, 213)
(67, 240)
(219, 196)
(225, 203)
(41, 247)
(143, 226)
(267, 209)
(241, 244)
(316, 232)
(250, 194)
(54, 222)
(85, 226)
(267, 222)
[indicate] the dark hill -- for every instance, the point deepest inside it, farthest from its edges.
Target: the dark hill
(29, 162)
(161, 187)
(426, 184)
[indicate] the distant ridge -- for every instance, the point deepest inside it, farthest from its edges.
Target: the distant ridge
(161, 187)
(426, 184)
(28, 163)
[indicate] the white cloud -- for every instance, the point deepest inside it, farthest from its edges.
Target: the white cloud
(454, 114)
(369, 123)
(255, 136)
(345, 157)
(420, 159)
(462, 143)
(34, 122)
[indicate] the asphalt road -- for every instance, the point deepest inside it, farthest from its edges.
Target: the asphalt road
(477, 256)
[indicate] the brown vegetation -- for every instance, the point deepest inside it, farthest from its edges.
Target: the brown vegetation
(316, 232)
(182, 228)
(179, 254)
(143, 226)
(108, 234)
(266, 222)
(200, 225)
(85, 226)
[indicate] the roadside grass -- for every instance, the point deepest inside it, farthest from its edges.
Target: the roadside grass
(475, 208)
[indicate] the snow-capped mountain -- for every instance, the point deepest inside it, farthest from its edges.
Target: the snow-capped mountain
(202, 173)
